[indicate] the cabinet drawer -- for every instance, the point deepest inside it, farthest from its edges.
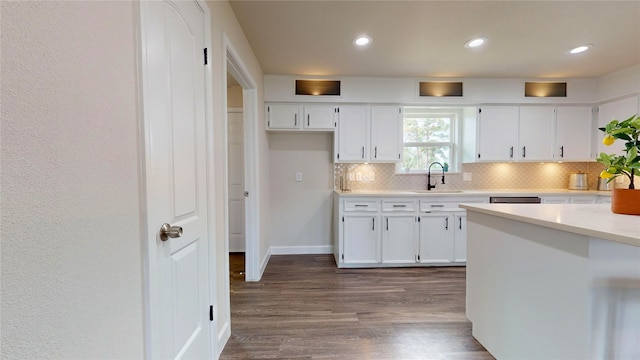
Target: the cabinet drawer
(360, 205)
(428, 206)
(398, 205)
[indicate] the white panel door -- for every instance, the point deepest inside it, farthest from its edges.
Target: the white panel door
(361, 239)
(386, 133)
(173, 76)
(573, 133)
(399, 239)
(236, 181)
(319, 117)
(498, 133)
(615, 110)
(436, 238)
(536, 133)
(352, 134)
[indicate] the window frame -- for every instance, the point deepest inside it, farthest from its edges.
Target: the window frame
(457, 114)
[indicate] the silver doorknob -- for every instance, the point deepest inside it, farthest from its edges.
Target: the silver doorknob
(167, 231)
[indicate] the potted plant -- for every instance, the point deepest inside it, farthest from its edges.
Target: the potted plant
(623, 201)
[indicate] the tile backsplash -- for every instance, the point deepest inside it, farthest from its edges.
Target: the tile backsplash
(532, 175)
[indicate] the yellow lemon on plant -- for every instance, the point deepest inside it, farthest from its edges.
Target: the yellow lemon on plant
(606, 175)
(608, 140)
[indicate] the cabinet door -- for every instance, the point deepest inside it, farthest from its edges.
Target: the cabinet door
(352, 133)
(498, 133)
(436, 238)
(556, 200)
(283, 116)
(319, 117)
(536, 133)
(573, 133)
(460, 238)
(399, 239)
(615, 110)
(386, 134)
(361, 236)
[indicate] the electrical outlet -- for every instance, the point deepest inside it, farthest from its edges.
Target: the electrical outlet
(298, 176)
(466, 176)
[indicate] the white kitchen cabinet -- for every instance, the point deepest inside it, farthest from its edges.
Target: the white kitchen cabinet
(573, 133)
(361, 239)
(399, 235)
(284, 116)
(616, 110)
(535, 133)
(568, 199)
(584, 199)
(556, 199)
(497, 133)
(352, 134)
(386, 134)
(320, 117)
(436, 238)
(460, 237)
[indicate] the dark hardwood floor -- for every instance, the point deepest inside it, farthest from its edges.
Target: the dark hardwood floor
(306, 308)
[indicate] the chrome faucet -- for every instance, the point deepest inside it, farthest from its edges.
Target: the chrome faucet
(444, 167)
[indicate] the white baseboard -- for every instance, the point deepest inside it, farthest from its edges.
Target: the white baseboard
(223, 337)
(263, 264)
(301, 250)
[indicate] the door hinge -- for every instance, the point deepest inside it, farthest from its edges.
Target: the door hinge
(205, 56)
(210, 312)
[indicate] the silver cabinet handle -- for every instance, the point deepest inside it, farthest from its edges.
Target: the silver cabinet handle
(358, 205)
(460, 223)
(373, 224)
(511, 152)
(399, 206)
(446, 223)
(375, 150)
(387, 224)
(308, 121)
(363, 152)
(524, 151)
(438, 206)
(561, 151)
(167, 231)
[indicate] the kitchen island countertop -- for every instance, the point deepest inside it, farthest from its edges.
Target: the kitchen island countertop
(595, 220)
(472, 192)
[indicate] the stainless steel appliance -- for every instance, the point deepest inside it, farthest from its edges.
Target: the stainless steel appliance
(515, 200)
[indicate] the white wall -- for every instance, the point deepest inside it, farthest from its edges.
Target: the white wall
(71, 234)
(405, 91)
(223, 21)
(303, 210)
(619, 84)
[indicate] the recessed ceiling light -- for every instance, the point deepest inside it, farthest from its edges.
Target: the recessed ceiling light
(475, 42)
(362, 41)
(580, 49)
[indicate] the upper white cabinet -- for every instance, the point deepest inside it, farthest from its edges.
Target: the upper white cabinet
(320, 117)
(497, 133)
(351, 142)
(301, 117)
(386, 133)
(284, 116)
(615, 110)
(532, 133)
(536, 133)
(573, 133)
(368, 133)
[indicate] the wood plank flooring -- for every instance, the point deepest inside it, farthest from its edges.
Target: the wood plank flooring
(306, 308)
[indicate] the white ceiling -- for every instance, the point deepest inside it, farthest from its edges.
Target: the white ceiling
(426, 38)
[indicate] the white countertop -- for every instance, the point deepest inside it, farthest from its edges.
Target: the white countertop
(492, 192)
(595, 220)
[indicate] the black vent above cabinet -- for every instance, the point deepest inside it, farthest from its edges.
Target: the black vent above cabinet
(545, 89)
(318, 87)
(440, 88)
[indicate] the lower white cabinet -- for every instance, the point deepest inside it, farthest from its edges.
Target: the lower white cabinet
(399, 235)
(361, 239)
(443, 238)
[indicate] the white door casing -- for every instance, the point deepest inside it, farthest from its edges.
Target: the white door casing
(236, 181)
(175, 149)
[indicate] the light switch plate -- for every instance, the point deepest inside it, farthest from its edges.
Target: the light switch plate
(298, 176)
